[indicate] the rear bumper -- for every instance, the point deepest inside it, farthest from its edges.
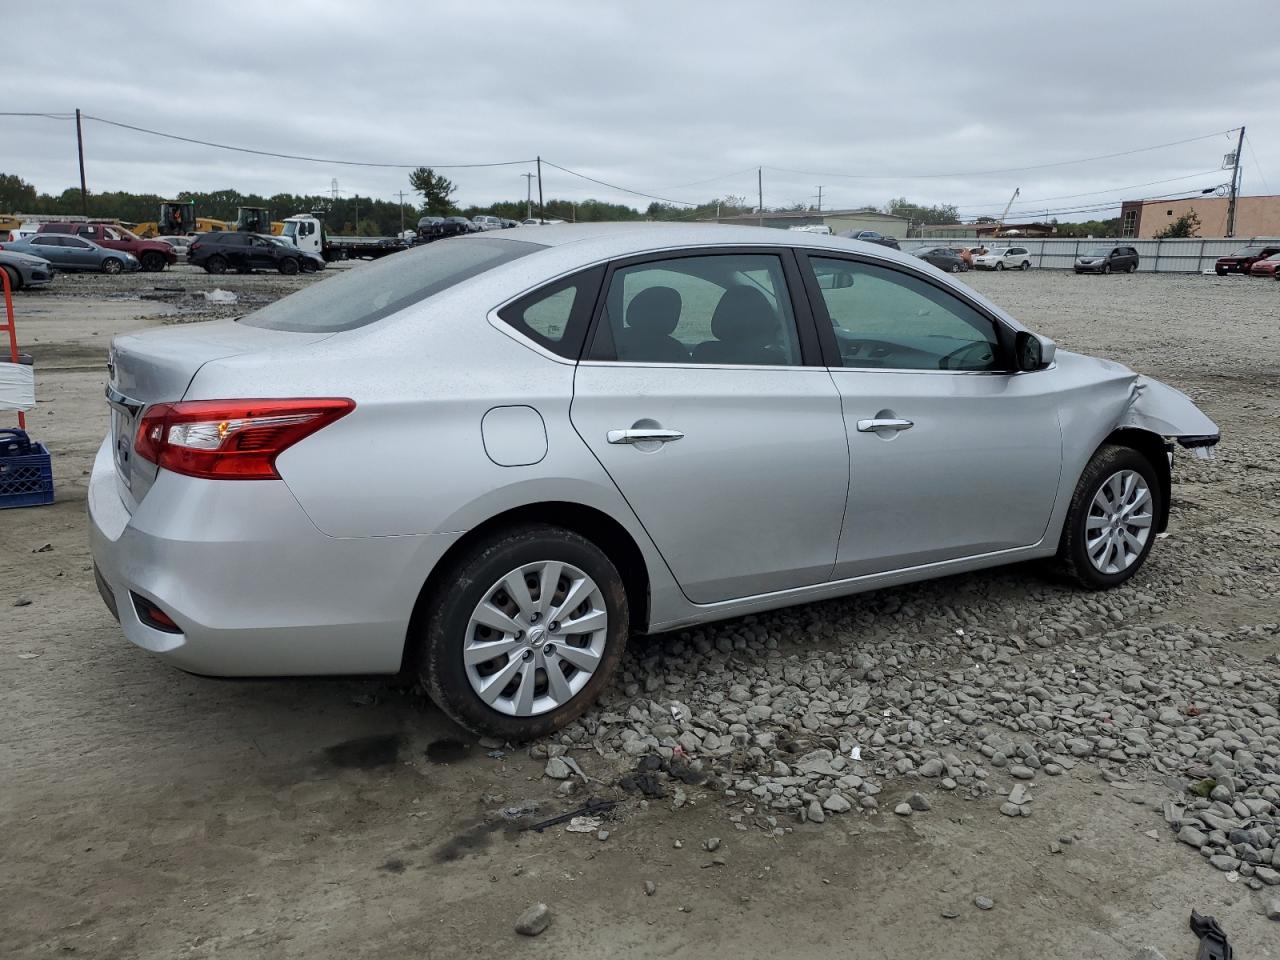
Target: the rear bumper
(254, 588)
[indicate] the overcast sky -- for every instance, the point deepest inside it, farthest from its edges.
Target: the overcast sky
(653, 96)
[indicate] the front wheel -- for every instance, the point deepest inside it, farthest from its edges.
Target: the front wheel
(15, 278)
(955, 268)
(524, 632)
(999, 264)
(152, 261)
(112, 265)
(1111, 523)
(1106, 269)
(288, 266)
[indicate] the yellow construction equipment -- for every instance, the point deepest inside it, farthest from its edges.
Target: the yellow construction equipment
(178, 218)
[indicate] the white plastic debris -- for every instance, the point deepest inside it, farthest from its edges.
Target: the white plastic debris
(17, 386)
(856, 752)
(584, 824)
(218, 295)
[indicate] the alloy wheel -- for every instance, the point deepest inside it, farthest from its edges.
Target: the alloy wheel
(1119, 522)
(535, 639)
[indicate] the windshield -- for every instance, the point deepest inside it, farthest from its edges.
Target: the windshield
(999, 251)
(290, 228)
(1099, 252)
(1248, 252)
(367, 294)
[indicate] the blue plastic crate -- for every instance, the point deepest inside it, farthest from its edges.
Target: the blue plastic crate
(26, 473)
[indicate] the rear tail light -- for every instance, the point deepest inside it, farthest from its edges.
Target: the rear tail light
(231, 439)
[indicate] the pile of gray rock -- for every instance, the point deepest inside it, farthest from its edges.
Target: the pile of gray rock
(814, 712)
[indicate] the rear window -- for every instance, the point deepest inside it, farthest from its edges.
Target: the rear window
(369, 293)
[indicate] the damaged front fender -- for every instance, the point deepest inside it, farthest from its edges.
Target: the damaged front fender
(1159, 408)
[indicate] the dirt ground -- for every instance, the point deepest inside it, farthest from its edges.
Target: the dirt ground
(145, 813)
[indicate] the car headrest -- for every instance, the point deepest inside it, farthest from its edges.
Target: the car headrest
(743, 315)
(654, 312)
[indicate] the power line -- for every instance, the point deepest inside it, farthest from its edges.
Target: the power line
(614, 186)
(985, 173)
(726, 176)
(1256, 165)
(293, 156)
(1093, 193)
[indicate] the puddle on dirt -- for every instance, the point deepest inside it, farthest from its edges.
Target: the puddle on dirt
(366, 753)
(448, 750)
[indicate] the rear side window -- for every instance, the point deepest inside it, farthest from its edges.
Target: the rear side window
(556, 316)
(366, 294)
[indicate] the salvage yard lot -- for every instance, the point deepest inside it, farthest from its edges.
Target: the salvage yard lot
(148, 813)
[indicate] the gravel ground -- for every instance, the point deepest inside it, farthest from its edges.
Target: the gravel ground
(996, 758)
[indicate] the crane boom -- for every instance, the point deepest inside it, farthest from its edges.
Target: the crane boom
(1000, 223)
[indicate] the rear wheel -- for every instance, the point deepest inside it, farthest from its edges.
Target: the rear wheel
(152, 261)
(1111, 523)
(15, 278)
(216, 264)
(1133, 268)
(288, 266)
(524, 632)
(112, 265)
(1026, 264)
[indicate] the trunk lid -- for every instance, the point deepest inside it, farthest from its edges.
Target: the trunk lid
(157, 367)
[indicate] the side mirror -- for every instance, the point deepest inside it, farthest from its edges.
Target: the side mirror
(1032, 352)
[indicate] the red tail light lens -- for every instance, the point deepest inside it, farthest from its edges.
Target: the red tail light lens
(231, 439)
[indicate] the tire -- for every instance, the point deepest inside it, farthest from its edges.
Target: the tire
(1026, 264)
(999, 264)
(1133, 268)
(152, 261)
(1222, 271)
(216, 264)
(15, 279)
(954, 268)
(308, 267)
(1073, 558)
(288, 266)
(1106, 269)
(479, 576)
(112, 265)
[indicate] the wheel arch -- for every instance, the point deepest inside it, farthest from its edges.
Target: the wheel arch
(588, 522)
(1156, 450)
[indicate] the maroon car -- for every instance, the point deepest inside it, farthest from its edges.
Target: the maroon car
(152, 254)
(1242, 260)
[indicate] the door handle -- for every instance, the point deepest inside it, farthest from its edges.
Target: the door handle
(643, 436)
(872, 426)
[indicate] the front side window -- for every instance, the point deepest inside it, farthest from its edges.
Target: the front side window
(888, 319)
(723, 309)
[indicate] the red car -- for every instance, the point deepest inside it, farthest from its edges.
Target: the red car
(1242, 260)
(1269, 267)
(152, 254)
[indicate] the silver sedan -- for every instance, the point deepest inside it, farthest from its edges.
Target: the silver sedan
(491, 461)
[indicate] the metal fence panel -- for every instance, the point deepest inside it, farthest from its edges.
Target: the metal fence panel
(1194, 255)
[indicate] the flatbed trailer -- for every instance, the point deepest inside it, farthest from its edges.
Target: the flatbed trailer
(307, 232)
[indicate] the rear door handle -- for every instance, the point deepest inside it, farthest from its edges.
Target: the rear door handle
(873, 426)
(643, 436)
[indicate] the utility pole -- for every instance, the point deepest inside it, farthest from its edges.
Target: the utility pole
(1235, 187)
(760, 194)
(84, 192)
(528, 195)
(356, 198)
(402, 211)
(819, 198)
(541, 215)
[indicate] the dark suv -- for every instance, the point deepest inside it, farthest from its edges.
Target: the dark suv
(1108, 260)
(245, 252)
(1242, 260)
(437, 228)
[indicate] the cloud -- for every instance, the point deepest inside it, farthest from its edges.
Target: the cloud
(651, 96)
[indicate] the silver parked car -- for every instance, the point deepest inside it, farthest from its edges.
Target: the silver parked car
(25, 270)
(491, 461)
(66, 252)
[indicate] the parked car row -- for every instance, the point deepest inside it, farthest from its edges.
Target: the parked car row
(74, 253)
(1244, 261)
